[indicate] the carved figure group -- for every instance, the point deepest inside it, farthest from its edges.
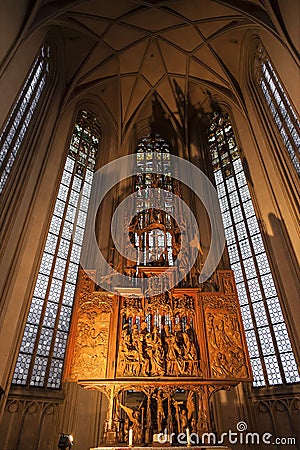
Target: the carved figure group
(165, 409)
(91, 345)
(226, 352)
(157, 352)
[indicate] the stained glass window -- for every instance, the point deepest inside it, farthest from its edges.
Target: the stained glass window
(281, 109)
(18, 123)
(155, 243)
(271, 354)
(41, 357)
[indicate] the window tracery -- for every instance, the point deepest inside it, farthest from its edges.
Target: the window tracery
(280, 106)
(269, 345)
(154, 245)
(18, 123)
(41, 357)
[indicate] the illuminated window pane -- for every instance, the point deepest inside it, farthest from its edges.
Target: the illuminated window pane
(266, 334)
(246, 315)
(56, 369)
(290, 367)
(155, 245)
(257, 370)
(17, 125)
(273, 371)
(22, 368)
(40, 361)
(282, 111)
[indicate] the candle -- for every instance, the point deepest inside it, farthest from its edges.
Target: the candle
(130, 436)
(188, 437)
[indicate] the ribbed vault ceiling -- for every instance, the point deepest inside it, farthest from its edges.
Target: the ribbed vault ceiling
(125, 50)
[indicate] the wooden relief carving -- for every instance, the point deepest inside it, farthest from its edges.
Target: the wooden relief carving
(161, 302)
(183, 304)
(160, 340)
(132, 305)
(169, 407)
(90, 352)
(90, 333)
(226, 348)
(226, 281)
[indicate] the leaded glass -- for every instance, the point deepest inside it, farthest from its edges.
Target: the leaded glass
(246, 315)
(17, 125)
(241, 231)
(282, 337)
(55, 373)
(290, 367)
(155, 245)
(273, 371)
(258, 374)
(242, 293)
(69, 294)
(281, 109)
(266, 333)
(275, 313)
(252, 343)
(35, 311)
(260, 314)
(40, 361)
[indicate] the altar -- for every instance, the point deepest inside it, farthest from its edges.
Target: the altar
(158, 360)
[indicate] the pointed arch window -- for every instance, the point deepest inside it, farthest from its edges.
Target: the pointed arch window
(41, 357)
(280, 106)
(153, 237)
(18, 123)
(269, 345)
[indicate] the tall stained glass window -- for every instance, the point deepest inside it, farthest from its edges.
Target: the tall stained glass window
(153, 229)
(281, 109)
(269, 345)
(41, 357)
(18, 123)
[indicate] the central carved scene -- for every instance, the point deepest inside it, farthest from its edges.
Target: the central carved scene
(158, 337)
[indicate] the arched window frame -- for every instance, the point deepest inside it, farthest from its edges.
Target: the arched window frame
(22, 125)
(272, 269)
(271, 117)
(49, 346)
(156, 144)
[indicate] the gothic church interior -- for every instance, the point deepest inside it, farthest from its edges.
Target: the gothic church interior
(84, 83)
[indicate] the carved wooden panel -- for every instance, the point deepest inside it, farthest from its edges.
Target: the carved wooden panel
(90, 333)
(227, 352)
(158, 337)
(182, 332)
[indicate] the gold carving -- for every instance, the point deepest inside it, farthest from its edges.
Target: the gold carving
(164, 408)
(174, 350)
(228, 302)
(91, 336)
(135, 418)
(226, 353)
(226, 281)
(158, 352)
(102, 302)
(183, 304)
(132, 305)
(157, 344)
(161, 302)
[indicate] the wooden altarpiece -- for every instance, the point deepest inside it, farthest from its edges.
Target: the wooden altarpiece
(174, 350)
